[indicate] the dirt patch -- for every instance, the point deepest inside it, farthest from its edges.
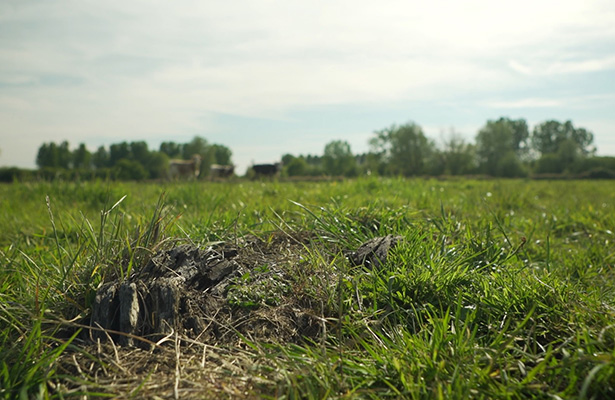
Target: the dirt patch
(212, 294)
(183, 318)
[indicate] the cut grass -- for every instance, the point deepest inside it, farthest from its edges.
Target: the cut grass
(500, 289)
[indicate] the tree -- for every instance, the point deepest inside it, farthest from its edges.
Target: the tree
(100, 159)
(498, 141)
(404, 148)
(458, 156)
(119, 151)
(157, 164)
(549, 164)
(221, 154)
(53, 156)
(47, 155)
(139, 152)
(315, 163)
(81, 157)
(287, 158)
(560, 146)
(338, 159)
(520, 134)
(510, 166)
(549, 137)
(200, 146)
(64, 155)
(171, 149)
(197, 145)
(297, 166)
(374, 163)
(126, 169)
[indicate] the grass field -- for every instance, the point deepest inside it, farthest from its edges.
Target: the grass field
(499, 289)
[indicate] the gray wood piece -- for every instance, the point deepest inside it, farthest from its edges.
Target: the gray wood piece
(151, 302)
(374, 252)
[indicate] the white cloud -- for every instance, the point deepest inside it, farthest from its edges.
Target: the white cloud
(546, 67)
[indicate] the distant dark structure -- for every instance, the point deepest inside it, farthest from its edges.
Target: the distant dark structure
(267, 170)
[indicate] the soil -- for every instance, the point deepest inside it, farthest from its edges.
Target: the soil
(212, 294)
(182, 321)
(219, 293)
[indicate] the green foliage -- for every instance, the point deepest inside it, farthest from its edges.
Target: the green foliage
(139, 152)
(171, 149)
(405, 148)
(501, 150)
(495, 143)
(131, 161)
(157, 164)
(82, 158)
(458, 157)
(598, 173)
(54, 156)
(296, 166)
(589, 163)
(100, 159)
(14, 174)
(338, 159)
(221, 154)
(200, 146)
(509, 166)
(551, 137)
(549, 164)
(126, 169)
(197, 145)
(119, 151)
(301, 166)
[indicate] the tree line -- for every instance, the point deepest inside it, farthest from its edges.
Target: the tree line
(125, 161)
(502, 148)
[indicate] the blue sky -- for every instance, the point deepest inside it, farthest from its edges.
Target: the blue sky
(268, 77)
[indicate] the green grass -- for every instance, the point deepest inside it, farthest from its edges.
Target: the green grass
(500, 289)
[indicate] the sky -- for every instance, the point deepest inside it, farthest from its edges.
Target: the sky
(266, 78)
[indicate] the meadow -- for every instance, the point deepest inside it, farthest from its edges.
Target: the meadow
(499, 289)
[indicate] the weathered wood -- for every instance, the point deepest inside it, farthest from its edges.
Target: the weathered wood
(129, 311)
(374, 252)
(150, 303)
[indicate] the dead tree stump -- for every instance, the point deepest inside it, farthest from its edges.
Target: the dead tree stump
(154, 302)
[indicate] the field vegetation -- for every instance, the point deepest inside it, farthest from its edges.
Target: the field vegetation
(501, 289)
(502, 148)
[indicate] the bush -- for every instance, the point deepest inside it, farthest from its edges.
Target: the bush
(549, 164)
(12, 174)
(593, 163)
(510, 166)
(598, 173)
(129, 170)
(52, 173)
